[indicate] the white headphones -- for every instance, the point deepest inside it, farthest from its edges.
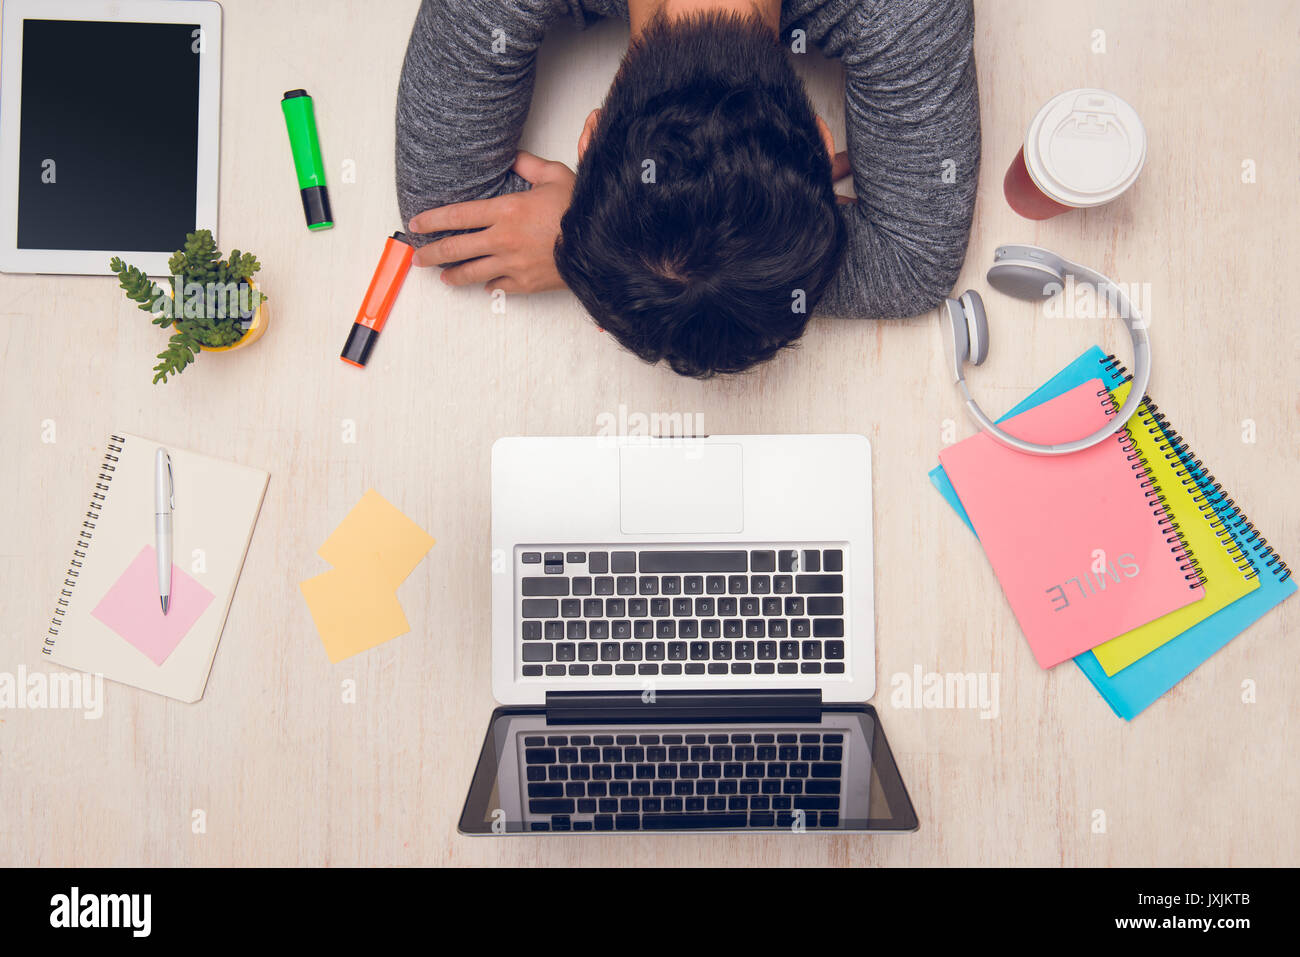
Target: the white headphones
(1027, 272)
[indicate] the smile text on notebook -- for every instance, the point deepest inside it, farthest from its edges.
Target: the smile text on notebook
(1077, 544)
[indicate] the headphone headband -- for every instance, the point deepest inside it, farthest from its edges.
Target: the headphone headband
(1032, 273)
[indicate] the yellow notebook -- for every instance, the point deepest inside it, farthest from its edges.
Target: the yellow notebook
(1226, 573)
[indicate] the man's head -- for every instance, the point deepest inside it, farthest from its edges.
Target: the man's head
(703, 227)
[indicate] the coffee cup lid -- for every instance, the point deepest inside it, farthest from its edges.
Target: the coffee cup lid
(1085, 147)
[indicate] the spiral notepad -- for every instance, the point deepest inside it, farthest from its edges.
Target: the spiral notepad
(1238, 530)
(100, 623)
(1082, 544)
(1222, 564)
(1135, 688)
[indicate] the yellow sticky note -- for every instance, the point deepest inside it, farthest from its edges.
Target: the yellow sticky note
(354, 609)
(376, 534)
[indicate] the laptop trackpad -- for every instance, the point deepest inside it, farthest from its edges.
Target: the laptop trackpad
(686, 489)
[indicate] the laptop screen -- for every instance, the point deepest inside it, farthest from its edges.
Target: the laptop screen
(835, 773)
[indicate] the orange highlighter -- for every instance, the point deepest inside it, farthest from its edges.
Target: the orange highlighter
(385, 284)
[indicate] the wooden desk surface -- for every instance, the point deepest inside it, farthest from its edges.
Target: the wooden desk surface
(287, 773)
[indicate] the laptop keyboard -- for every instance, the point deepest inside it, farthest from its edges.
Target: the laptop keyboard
(689, 780)
(670, 611)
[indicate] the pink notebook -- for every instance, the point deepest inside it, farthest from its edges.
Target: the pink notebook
(1075, 540)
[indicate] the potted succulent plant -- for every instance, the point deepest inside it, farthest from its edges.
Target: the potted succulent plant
(212, 305)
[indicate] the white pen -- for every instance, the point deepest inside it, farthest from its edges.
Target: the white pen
(164, 500)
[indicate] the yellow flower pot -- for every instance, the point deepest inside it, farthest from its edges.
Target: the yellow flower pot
(255, 331)
(261, 319)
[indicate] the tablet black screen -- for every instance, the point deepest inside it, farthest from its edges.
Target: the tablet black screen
(108, 154)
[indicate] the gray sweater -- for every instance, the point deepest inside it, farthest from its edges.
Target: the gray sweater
(911, 111)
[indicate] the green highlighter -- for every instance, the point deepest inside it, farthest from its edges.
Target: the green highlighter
(300, 119)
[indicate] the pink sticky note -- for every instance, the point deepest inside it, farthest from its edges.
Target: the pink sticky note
(131, 607)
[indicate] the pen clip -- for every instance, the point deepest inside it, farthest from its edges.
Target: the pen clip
(171, 483)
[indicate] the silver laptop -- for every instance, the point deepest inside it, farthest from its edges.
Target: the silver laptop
(683, 638)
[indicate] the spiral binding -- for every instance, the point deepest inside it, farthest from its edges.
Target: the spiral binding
(1178, 547)
(1236, 533)
(97, 499)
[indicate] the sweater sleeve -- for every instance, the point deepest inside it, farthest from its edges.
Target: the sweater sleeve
(466, 85)
(912, 118)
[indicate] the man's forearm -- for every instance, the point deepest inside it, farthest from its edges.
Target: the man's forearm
(466, 84)
(912, 115)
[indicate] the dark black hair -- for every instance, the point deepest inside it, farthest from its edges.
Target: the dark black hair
(703, 228)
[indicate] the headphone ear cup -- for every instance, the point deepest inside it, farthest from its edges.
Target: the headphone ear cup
(977, 324)
(954, 318)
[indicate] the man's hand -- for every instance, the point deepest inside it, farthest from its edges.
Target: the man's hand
(514, 249)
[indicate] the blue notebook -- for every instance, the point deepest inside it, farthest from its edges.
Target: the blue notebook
(1136, 687)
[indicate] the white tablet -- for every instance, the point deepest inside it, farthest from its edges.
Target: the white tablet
(110, 115)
